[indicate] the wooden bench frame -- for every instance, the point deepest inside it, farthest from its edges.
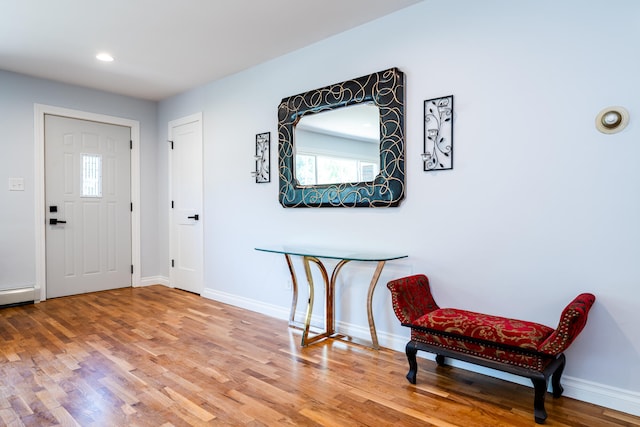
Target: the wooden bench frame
(539, 379)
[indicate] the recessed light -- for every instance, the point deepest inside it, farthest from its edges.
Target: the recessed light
(612, 119)
(104, 57)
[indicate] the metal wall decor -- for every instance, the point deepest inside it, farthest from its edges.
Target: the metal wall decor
(386, 90)
(438, 134)
(262, 172)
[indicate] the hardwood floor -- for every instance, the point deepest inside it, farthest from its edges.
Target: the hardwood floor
(156, 356)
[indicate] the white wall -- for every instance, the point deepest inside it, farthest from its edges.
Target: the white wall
(18, 94)
(539, 207)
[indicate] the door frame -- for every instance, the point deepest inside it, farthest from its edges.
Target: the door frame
(40, 110)
(196, 117)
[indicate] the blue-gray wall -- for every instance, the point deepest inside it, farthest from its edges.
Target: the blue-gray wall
(539, 207)
(18, 94)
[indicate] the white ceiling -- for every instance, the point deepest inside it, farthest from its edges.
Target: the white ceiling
(164, 47)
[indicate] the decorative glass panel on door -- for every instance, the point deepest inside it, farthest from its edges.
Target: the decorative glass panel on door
(91, 175)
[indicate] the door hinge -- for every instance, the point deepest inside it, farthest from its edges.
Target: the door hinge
(171, 144)
(131, 268)
(130, 144)
(172, 204)
(173, 263)
(131, 206)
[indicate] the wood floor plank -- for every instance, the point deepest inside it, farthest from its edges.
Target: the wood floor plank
(157, 356)
(188, 405)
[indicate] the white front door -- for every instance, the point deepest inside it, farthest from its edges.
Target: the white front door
(88, 206)
(186, 234)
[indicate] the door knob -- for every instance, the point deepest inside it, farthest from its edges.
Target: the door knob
(193, 217)
(53, 221)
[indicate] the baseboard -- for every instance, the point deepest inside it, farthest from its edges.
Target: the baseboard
(249, 304)
(10, 297)
(602, 395)
(154, 280)
(598, 394)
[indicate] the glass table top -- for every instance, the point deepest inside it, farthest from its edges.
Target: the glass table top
(331, 253)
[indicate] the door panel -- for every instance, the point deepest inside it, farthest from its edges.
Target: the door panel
(88, 184)
(186, 215)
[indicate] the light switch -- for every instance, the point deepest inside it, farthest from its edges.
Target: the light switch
(16, 184)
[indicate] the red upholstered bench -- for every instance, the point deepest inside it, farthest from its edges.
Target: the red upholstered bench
(515, 346)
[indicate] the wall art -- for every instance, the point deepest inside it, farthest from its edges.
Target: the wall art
(263, 168)
(438, 134)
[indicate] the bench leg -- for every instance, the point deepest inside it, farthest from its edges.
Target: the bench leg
(555, 378)
(411, 351)
(539, 413)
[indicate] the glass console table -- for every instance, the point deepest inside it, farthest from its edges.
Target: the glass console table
(313, 255)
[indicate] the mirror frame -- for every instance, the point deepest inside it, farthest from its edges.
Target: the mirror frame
(386, 90)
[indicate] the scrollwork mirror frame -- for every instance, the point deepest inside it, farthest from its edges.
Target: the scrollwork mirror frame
(386, 90)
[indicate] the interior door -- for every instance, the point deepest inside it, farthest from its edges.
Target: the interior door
(88, 195)
(186, 234)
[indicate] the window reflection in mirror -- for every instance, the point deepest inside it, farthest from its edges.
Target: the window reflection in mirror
(338, 146)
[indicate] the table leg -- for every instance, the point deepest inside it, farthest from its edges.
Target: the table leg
(330, 286)
(307, 323)
(372, 286)
(294, 286)
(331, 319)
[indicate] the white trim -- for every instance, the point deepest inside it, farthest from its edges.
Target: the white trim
(626, 401)
(602, 395)
(17, 296)
(155, 280)
(193, 118)
(40, 217)
(247, 303)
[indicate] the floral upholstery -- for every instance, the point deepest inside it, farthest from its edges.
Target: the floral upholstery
(572, 321)
(514, 357)
(515, 342)
(411, 298)
(482, 327)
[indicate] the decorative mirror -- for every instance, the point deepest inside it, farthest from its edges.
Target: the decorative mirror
(343, 145)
